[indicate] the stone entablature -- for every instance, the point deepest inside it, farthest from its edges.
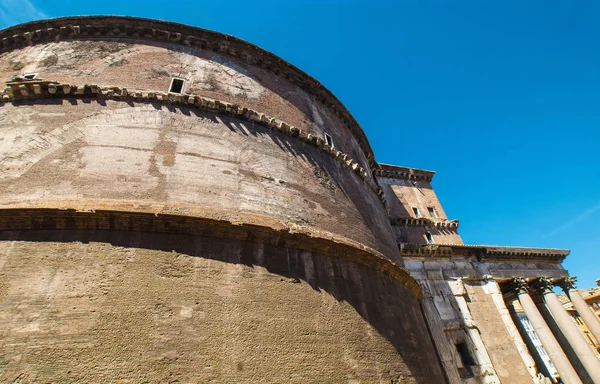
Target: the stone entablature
(486, 252)
(397, 172)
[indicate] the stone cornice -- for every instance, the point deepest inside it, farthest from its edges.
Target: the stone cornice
(397, 172)
(243, 227)
(118, 27)
(424, 222)
(39, 89)
(484, 252)
(542, 253)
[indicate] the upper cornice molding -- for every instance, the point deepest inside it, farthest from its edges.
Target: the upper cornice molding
(397, 172)
(484, 252)
(424, 222)
(114, 27)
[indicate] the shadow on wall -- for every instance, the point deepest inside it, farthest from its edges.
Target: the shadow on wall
(380, 300)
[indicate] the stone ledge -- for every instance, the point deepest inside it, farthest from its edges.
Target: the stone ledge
(72, 219)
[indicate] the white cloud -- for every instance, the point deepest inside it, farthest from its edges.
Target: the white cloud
(573, 221)
(18, 11)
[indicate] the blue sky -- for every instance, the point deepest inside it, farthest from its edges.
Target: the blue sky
(502, 99)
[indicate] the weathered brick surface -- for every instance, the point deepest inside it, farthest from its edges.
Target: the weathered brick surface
(266, 233)
(100, 306)
(133, 65)
(178, 38)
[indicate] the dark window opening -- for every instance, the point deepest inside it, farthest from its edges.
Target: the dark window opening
(432, 212)
(176, 86)
(30, 76)
(416, 212)
(429, 237)
(328, 140)
(467, 360)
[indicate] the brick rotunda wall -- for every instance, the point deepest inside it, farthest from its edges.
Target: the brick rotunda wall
(97, 306)
(208, 234)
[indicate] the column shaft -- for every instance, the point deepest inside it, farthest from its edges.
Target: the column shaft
(590, 319)
(555, 352)
(573, 335)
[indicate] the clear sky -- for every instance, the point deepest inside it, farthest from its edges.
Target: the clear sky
(502, 99)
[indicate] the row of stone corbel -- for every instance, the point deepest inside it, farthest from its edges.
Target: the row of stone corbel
(41, 89)
(418, 175)
(424, 249)
(424, 222)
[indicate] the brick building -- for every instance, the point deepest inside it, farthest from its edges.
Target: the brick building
(180, 205)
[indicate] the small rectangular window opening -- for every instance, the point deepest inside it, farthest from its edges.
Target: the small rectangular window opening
(176, 86)
(429, 237)
(432, 212)
(30, 76)
(466, 359)
(328, 140)
(416, 212)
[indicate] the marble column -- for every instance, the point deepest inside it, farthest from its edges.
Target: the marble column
(551, 345)
(590, 319)
(569, 329)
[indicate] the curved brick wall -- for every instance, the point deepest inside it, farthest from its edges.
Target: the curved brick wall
(95, 143)
(95, 306)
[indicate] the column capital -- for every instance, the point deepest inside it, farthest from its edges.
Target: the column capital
(543, 285)
(520, 285)
(567, 283)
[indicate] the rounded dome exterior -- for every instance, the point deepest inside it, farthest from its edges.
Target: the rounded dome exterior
(177, 204)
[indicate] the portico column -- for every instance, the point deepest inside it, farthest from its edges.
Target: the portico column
(569, 330)
(590, 319)
(555, 352)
